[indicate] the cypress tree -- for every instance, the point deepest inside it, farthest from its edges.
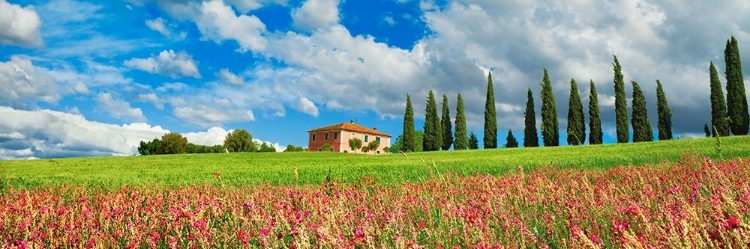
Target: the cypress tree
(473, 142)
(641, 125)
(432, 133)
(595, 122)
(550, 130)
(462, 141)
(490, 117)
(736, 97)
(446, 125)
(510, 140)
(576, 122)
(621, 104)
(530, 135)
(719, 119)
(705, 130)
(408, 133)
(664, 114)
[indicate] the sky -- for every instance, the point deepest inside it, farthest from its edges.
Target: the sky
(94, 78)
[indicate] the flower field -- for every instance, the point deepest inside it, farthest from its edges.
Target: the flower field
(694, 202)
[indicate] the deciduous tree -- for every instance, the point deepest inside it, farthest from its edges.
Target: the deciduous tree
(239, 141)
(172, 143)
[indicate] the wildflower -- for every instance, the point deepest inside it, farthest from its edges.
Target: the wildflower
(732, 223)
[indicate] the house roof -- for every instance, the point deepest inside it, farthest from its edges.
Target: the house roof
(350, 126)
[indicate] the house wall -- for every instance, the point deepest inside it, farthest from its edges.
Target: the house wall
(384, 142)
(320, 140)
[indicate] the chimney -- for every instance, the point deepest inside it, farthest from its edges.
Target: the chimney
(351, 121)
(375, 128)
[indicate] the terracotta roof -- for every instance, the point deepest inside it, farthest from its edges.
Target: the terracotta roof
(350, 127)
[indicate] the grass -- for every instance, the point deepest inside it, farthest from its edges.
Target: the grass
(313, 167)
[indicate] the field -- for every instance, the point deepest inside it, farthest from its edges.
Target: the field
(672, 194)
(313, 167)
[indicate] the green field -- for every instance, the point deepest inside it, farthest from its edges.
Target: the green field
(313, 167)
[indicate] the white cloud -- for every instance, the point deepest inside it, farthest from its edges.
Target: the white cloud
(118, 108)
(207, 111)
(316, 14)
(158, 26)
(22, 83)
(81, 88)
(226, 76)
(307, 106)
(152, 98)
(47, 133)
(245, 6)
(19, 25)
(167, 63)
(212, 136)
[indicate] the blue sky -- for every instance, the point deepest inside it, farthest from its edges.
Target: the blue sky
(84, 78)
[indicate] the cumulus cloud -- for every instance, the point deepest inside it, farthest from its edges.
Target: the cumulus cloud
(307, 106)
(158, 26)
(46, 133)
(22, 83)
(167, 63)
(118, 108)
(316, 14)
(205, 111)
(19, 25)
(226, 76)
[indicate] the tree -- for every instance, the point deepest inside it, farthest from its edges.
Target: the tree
(510, 140)
(265, 147)
(490, 117)
(473, 142)
(326, 147)
(641, 125)
(399, 142)
(576, 122)
(373, 145)
(719, 119)
(172, 143)
(149, 148)
(408, 133)
(292, 148)
(432, 134)
(550, 130)
(239, 141)
(595, 122)
(355, 144)
(707, 131)
(447, 130)
(462, 141)
(664, 114)
(621, 105)
(530, 135)
(736, 97)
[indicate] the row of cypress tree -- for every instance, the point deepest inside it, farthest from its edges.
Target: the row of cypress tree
(730, 116)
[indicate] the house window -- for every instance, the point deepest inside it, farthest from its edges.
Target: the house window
(377, 139)
(365, 138)
(377, 152)
(320, 149)
(335, 135)
(313, 137)
(325, 137)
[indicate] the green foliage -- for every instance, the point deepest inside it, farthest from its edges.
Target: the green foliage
(326, 147)
(719, 119)
(408, 134)
(447, 130)
(397, 146)
(576, 122)
(149, 148)
(202, 149)
(172, 143)
(462, 140)
(433, 138)
(663, 112)
(641, 125)
(473, 142)
(239, 141)
(292, 148)
(373, 145)
(621, 105)
(510, 140)
(490, 116)
(736, 98)
(253, 169)
(355, 144)
(595, 121)
(530, 134)
(550, 128)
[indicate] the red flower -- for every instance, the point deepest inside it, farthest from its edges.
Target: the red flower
(732, 223)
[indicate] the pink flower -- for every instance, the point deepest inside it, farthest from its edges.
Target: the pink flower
(264, 231)
(732, 222)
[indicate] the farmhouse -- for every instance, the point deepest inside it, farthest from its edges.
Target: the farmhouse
(338, 135)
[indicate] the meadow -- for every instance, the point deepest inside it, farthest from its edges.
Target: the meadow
(312, 168)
